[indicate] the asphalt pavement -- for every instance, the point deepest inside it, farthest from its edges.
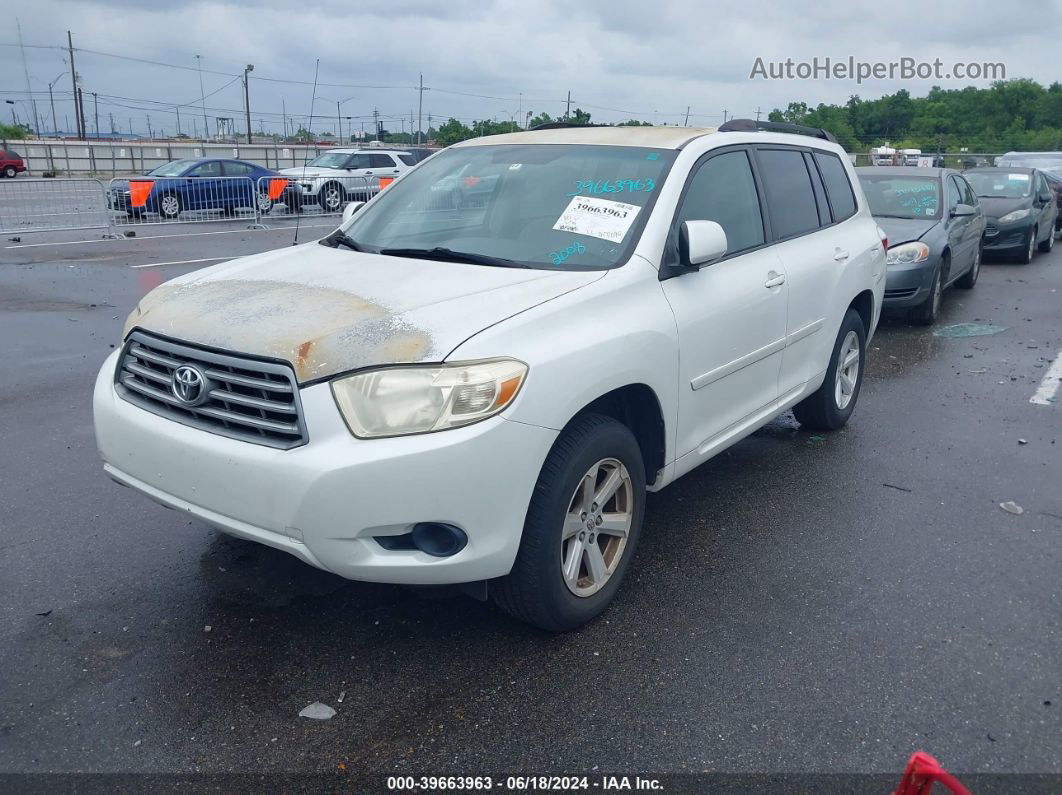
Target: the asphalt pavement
(803, 602)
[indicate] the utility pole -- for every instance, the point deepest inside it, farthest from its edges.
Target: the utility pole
(202, 97)
(96, 113)
(113, 131)
(376, 123)
(339, 122)
(420, 107)
(725, 111)
(687, 122)
(757, 114)
(411, 128)
(520, 112)
(195, 129)
(247, 99)
(81, 110)
(73, 83)
(178, 109)
(51, 101)
(284, 113)
(151, 133)
(568, 106)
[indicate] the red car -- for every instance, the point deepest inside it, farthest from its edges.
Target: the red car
(11, 163)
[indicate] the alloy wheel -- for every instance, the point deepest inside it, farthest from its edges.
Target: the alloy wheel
(847, 371)
(596, 527)
(170, 206)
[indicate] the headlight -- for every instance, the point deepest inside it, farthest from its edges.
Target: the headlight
(1017, 215)
(907, 254)
(395, 401)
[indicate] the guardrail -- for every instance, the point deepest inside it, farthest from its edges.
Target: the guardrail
(53, 205)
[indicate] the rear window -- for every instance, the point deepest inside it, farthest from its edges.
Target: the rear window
(11, 154)
(409, 160)
(790, 197)
(902, 196)
(838, 188)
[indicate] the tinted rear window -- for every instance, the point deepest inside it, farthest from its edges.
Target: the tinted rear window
(838, 187)
(409, 160)
(790, 196)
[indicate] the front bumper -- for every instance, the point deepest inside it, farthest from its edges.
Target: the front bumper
(908, 285)
(325, 502)
(1007, 237)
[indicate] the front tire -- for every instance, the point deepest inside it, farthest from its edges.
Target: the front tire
(1047, 243)
(582, 527)
(332, 197)
(10, 172)
(829, 407)
(969, 279)
(1027, 255)
(925, 314)
(170, 206)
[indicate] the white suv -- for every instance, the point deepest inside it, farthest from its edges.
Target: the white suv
(341, 175)
(482, 391)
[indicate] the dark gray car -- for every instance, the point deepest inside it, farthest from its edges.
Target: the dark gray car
(1020, 209)
(935, 228)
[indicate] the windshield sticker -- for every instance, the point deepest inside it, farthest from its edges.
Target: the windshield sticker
(559, 257)
(515, 166)
(653, 156)
(1018, 177)
(605, 186)
(600, 218)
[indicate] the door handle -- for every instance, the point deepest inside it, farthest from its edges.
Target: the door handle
(840, 255)
(774, 279)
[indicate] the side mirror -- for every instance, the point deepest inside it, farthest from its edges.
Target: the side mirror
(960, 210)
(701, 243)
(349, 209)
(1046, 198)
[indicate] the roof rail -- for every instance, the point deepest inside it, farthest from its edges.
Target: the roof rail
(562, 125)
(751, 125)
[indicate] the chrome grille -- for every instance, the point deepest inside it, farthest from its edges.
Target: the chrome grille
(242, 398)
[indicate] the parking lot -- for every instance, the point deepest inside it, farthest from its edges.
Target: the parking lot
(802, 602)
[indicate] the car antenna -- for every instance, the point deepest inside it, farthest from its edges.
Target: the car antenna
(305, 155)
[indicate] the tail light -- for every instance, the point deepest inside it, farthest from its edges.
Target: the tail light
(884, 239)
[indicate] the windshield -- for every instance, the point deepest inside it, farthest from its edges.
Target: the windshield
(902, 197)
(330, 160)
(172, 169)
(1050, 162)
(1000, 184)
(554, 206)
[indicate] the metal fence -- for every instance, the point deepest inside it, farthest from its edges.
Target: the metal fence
(53, 205)
(50, 205)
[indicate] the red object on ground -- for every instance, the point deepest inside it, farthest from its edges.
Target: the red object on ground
(921, 773)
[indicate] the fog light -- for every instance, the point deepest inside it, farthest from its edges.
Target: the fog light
(438, 539)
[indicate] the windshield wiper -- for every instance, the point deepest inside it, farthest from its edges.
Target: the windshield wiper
(341, 238)
(449, 255)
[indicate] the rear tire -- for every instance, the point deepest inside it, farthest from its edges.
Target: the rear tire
(829, 407)
(547, 586)
(170, 206)
(10, 172)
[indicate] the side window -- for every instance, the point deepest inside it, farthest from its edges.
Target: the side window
(790, 197)
(358, 161)
(955, 192)
(724, 191)
(380, 161)
(838, 186)
(211, 169)
(235, 169)
(968, 196)
(820, 193)
(409, 160)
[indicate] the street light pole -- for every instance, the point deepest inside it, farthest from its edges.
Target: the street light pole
(247, 99)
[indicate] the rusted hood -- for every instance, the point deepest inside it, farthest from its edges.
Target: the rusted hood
(327, 310)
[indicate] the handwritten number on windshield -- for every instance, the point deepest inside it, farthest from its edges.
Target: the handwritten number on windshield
(585, 187)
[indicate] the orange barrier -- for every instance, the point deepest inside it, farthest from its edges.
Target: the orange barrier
(276, 188)
(139, 189)
(385, 181)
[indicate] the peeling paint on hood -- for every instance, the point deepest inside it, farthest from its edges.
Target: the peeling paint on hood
(328, 311)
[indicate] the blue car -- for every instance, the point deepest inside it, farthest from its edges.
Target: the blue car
(193, 185)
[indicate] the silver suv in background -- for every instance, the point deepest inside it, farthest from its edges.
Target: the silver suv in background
(340, 175)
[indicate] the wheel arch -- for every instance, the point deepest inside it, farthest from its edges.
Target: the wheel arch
(864, 305)
(637, 407)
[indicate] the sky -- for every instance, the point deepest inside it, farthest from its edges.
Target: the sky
(620, 59)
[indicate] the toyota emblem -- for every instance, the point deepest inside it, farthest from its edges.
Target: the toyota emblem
(187, 383)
